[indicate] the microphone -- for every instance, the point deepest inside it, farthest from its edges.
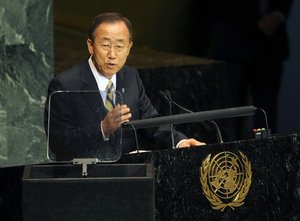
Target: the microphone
(133, 128)
(170, 110)
(268, 130)
(136, 138)
(167, 95)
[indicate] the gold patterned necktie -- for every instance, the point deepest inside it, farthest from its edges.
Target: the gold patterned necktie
(109, 102)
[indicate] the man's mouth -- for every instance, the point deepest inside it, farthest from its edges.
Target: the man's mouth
(110, 65)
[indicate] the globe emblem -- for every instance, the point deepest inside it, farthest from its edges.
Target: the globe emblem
(226, 175)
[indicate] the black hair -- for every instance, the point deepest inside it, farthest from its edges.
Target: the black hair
(109, 17)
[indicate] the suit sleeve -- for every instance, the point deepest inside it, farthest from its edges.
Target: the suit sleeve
(161, 135)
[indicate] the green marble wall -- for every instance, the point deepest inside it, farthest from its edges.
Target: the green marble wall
(26, 65)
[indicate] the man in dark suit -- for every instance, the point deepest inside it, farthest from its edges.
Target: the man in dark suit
(250, 36)
(82, 122)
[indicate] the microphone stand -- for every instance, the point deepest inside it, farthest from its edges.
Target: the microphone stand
(171, 126)
(167, 95)
(136, 139)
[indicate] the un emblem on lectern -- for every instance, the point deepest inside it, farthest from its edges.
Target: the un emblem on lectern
(226, 179)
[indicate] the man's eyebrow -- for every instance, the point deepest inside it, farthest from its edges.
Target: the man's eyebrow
(117, 40)
(106, 38)
(120, 40)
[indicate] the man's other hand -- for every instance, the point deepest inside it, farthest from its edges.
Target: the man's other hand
(190, 143)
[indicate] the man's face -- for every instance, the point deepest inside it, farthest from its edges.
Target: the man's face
(110, 48)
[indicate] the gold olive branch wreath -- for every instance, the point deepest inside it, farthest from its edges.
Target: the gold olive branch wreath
(216, 202)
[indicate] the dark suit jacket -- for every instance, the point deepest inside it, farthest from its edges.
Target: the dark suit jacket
(75, 117)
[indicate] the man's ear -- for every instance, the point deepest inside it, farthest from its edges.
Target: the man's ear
(89, 44)
(130, 46)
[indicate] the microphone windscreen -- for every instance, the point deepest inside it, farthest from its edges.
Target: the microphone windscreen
(168, 94)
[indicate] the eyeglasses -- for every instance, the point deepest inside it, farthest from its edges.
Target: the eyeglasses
(106, 46)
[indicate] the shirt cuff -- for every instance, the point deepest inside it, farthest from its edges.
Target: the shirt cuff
(104, 137)
(177, 146)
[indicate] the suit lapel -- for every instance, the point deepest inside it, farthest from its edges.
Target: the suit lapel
(121, 85)
(121, 89)
(92, 95)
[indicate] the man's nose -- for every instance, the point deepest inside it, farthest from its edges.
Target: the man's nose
(112, 52)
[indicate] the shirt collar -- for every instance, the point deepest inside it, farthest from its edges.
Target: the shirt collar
(101, 80)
